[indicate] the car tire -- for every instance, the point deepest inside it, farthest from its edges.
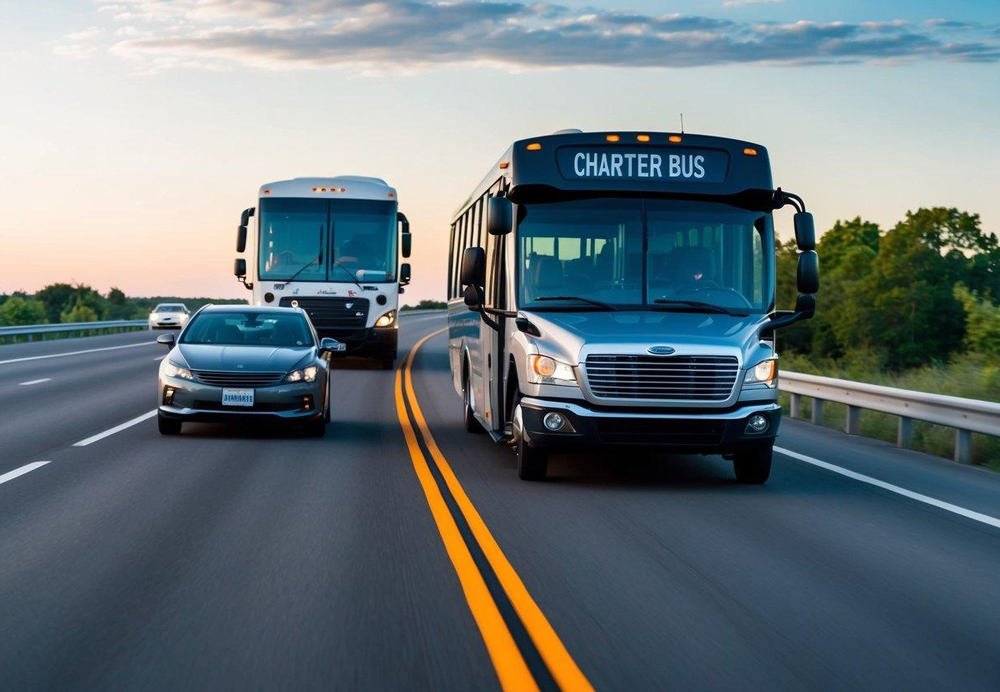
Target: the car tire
(168, 426)
(315, 428)
(753, 467)
(388, 363)
(468, 417)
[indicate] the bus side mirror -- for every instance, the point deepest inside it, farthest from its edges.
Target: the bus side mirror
(805, 305)
(805, 231)
(807, 278)
(472, 297)
(241, 239)
(404, 229)
(245, 216)
(240, 268)
(473, 267)
(407, 244)
(404, 274)
(498, 216)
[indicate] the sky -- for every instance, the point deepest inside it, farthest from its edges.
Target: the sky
(133, 132)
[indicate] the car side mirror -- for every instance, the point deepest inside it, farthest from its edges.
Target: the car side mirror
(404, 274)
(245, 216)
(498, 215)
(807, 279)
(241, 239)
(805, 231)
(240, 267)
(167, 340)
(328, 345)
(473, 267)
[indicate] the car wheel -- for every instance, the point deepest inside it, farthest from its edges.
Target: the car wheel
(753, 467)
(168, 426)
(315, 428)
(468, 418)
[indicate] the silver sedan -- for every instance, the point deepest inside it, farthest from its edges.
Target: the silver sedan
(168, 316)
(235, 363)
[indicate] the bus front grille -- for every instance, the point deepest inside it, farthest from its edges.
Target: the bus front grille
(332, 312)
(675, 378)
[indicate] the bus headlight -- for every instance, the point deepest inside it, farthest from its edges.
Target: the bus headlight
(764, 373)
(545, 370)
(386, 320)
(304, 375)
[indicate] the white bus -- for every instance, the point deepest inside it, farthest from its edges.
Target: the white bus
(330, 246)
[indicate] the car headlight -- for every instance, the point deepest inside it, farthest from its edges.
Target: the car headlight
(545, 370)
(307, 374)
(764, 373)
(386, 319)
(171, 370)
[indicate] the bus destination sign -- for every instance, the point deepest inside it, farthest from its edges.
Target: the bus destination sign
(666, 164)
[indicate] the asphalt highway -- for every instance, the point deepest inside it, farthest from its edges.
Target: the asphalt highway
(400, 552)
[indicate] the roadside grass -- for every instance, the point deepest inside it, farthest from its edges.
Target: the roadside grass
(969, 376)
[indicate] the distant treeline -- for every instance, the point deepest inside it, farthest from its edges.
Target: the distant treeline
(426, 305)
(923, 293)
(80, 303)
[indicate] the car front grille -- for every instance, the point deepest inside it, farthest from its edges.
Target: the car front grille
(675, 378)
(660, 431)
(202, 405)
(220, 378)
(332, 312)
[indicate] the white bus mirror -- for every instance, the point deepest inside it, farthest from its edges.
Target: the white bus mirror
(498, 216)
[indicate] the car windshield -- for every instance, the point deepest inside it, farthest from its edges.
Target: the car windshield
(327, 240)
(249, 329)
(169, 308)
(645, 254)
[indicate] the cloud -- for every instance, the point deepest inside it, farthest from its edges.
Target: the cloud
(742, 3)
(419, 34)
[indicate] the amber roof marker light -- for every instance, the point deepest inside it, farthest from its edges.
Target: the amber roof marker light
(534, 146)
(675, 139)
(642, 138)
(750, 151)
(612, 138)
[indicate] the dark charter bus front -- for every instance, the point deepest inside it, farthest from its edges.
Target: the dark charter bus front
(618, 290)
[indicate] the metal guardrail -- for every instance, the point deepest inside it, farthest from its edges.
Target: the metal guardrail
(966, 416)
(33, 329)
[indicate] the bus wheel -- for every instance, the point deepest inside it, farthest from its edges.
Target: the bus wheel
(468, 418)
(388, 363)
(754, 467)
(532, 464)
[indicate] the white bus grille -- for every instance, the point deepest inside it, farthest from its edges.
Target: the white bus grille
(675, 378)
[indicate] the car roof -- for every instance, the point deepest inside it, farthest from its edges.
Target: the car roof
(241, 307)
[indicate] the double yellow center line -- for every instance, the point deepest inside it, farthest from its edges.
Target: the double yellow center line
(451, 507)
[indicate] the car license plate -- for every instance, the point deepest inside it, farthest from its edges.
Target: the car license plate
(237, 397)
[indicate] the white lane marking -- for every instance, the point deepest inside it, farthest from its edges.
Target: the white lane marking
(118, 428)
(940, 504)
(73, 353)
(27, 468)
(160, 357)
(31, 382)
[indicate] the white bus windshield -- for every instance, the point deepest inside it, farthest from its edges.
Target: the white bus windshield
(644, 254)
(327, 240)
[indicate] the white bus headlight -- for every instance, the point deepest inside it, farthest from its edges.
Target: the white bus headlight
(764, 373)
(304, 375)
(545, 370)
(171, 370)
(386, 320)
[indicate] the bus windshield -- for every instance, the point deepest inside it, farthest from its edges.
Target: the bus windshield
(327, 240)
(645, 254)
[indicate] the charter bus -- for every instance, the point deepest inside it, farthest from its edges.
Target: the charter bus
(331, 247)
(617, 289)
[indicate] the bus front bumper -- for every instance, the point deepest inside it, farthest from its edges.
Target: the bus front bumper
(374, 341)
(700, 431)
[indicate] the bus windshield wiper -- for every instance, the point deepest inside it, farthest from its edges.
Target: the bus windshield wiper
(339, 263)
(595, 303)
(698, 305)
(314, 260)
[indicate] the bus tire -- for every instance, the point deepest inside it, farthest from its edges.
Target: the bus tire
(468, 417)
(168, 426)
(388, 363)
(532, 464)
(753, 467)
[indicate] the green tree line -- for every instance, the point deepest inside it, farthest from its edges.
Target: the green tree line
(64, 303)
(923, 293)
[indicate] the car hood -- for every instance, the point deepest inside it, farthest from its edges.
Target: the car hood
(569, 333)
(242, 358)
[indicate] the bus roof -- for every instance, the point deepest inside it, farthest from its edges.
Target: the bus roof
(341, 186)
(630, 162)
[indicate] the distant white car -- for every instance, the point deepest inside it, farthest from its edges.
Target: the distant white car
(169, 316)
